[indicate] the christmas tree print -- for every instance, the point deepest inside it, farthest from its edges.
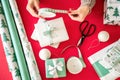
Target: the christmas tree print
(110, 7)
(14, 58)
(3, 24)
(5, 38)
(116, 12)
(107, 16)
(7, 52)
(17, 71)
(1, 10)
(17, 15)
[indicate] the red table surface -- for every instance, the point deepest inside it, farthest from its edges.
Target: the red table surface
(96, 17)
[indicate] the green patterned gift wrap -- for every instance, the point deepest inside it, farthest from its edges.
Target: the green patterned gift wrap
(112, 12)
(15, 40)
(55, 68)
(8, 47)
(28, 52)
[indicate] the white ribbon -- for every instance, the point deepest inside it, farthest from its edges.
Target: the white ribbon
(54, 69)
(48, 32)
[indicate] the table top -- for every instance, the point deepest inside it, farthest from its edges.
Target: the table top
(95, 17)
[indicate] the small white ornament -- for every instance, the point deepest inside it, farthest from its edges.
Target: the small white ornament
(103, 36)
(44, 54)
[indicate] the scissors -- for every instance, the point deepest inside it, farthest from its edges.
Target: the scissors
(86, 31)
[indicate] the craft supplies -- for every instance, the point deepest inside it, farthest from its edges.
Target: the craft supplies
(86, 31)
(8, 47)
(103, 36)
(75, 62)
(74, 65)
(44, 54)
(55, 68)
(28, 52)
(49, 12)
(106, 61)
(50, 33)
(16, 41)
(111, 12)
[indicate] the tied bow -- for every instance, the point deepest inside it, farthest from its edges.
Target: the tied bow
(48, 33)
(57, 67)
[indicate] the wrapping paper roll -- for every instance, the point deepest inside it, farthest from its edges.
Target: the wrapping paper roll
(28, 52)
(16, 41)
(8, 47)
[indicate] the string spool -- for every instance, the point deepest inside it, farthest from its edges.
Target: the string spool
(44, 54)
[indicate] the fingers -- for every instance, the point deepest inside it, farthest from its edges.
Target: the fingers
(76, 15)
(78, 18)
(32, 11)
(32, 8)
(79, 14)
(37, 5)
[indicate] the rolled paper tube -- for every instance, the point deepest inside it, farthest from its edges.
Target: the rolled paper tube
(16, 41)
(28, 52)
(8, 47)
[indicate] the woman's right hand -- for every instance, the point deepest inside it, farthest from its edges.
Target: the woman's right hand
(33, 7)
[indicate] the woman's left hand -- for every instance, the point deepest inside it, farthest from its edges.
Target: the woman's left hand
(79, 14)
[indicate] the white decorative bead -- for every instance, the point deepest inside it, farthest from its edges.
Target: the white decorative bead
(103, 36)
(44, 54)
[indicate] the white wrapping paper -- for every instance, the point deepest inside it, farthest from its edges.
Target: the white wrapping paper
(50, 32)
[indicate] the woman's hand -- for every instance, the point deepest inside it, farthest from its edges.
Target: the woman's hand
(79, 14)
(33, 7)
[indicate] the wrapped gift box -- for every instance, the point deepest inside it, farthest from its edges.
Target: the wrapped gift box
(112, 12)
(50, 32)
(106, 62)
(55, 68)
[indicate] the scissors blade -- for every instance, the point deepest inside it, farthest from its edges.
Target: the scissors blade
(79, 42)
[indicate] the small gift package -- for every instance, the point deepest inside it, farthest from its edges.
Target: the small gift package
(50, 32)
(55, 68)
(112, 12)
(106, 62)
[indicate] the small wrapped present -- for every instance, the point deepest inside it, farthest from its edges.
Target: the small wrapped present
(55, 68)
(112, 12)
(51, 32)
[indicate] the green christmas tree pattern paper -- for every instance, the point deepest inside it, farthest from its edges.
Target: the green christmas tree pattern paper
(8, 47)
(112, 12)
(28, 52)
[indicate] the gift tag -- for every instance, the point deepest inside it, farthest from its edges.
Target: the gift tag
(74, 65)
